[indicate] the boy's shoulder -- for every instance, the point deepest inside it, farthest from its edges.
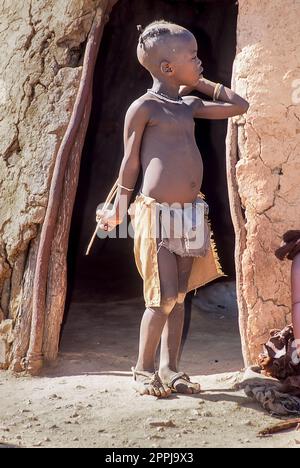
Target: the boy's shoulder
(190, 100)
(143, 103)
(146, 101)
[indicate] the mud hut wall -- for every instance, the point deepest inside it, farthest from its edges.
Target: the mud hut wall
(268, 171)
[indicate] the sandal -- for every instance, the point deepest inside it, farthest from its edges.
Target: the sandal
(195, 386)
(150, 384)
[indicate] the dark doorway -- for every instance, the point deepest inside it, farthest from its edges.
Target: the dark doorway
(109, 272)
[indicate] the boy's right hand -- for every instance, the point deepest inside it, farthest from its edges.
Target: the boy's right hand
(108, 219)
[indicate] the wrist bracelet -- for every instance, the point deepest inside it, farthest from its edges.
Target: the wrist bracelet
(217, 91)
(128, 189)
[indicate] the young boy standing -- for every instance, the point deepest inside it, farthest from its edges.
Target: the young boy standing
(159, 136)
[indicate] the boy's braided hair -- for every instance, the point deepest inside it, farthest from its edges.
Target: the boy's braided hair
(153, 30)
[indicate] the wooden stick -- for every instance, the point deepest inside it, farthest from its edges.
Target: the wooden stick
(282, 426)
(239, 229)
(109, 198)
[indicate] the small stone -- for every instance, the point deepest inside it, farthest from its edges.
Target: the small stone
(155, 436)
(54, 397)
(162, 423)
(80, 387)
(195, 412)
(4, 429)
(46, 439)
(75, 439)
(207, 414)
(74, 415)
(38, 444)
(248, 423)
(19, 437)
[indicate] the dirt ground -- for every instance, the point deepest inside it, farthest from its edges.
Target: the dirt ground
(86, 399)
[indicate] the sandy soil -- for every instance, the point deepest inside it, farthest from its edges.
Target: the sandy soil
(86, 399)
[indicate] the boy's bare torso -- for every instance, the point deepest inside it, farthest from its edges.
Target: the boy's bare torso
(171, 161)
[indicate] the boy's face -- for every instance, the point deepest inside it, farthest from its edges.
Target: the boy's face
(186, 65)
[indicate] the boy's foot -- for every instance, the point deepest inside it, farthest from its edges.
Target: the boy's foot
(149, 383)
(179, 382)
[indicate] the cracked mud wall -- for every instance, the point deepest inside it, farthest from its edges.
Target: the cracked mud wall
(40, 68)
(267, 73)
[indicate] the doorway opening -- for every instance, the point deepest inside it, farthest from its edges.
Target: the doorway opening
(109, 272)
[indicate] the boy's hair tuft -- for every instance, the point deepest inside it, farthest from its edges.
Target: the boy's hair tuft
(154, 30)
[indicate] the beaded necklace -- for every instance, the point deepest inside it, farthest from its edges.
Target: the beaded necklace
(165, 97)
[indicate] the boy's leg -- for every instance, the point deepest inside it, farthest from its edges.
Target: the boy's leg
(154, 320)
(172, 333)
